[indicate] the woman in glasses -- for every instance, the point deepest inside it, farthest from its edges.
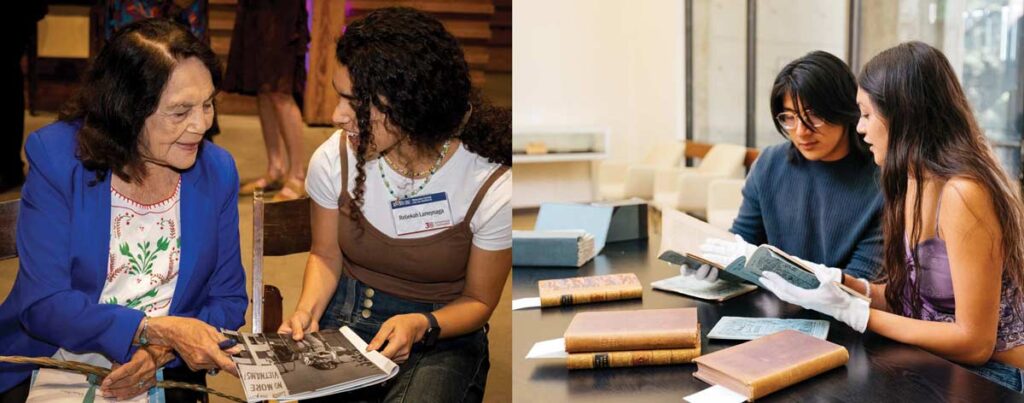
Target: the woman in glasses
(815, 196)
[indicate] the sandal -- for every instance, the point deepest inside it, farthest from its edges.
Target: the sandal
(293, 189)
(268, 185)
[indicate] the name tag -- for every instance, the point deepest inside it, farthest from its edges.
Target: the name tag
(421, 213)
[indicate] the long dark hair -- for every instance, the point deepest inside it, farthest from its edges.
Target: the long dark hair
(409, 59)
(122, 88)
(933, 131)
(823, 83)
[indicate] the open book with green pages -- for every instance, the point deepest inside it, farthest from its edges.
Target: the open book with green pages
(751, 268)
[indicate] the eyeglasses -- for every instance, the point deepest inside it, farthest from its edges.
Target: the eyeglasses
(789, 120)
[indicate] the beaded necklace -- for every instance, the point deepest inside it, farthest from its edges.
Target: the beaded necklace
(429, 173)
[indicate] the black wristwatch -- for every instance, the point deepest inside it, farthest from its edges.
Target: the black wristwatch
(430, 337)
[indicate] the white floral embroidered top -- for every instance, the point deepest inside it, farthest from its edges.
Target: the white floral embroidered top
(145, 250)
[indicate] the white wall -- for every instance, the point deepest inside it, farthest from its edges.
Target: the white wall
(719, 71)
(787, 30)
(620, 64)
(601, 63)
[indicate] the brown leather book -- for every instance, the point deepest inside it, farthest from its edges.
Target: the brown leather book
(767, 364)
(647, 329)
(582, 290)
(638, 358)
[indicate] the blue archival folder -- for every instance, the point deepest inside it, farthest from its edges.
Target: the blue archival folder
(539, 249)
(566, 216)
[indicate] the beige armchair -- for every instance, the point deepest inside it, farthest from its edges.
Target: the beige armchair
(724, 199)
(686, 189)
(620, 180)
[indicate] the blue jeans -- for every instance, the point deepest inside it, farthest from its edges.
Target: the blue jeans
(1003, 374)
(453, 370)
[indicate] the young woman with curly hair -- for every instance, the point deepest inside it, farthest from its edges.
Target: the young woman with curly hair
(412, 216)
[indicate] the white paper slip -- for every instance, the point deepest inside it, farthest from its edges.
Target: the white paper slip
(554, 348)
(59, 386)
(739, 328)
(715, 394)
(720, 290)
(524, 303)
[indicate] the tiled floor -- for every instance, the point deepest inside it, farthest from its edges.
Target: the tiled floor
(241, 136)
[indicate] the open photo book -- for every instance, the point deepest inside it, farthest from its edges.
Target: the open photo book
(273, 366)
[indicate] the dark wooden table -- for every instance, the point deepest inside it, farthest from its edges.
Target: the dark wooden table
(879, 370)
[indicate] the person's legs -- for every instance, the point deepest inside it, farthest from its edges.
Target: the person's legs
(454, 370)
(289, 120)
(276, 158)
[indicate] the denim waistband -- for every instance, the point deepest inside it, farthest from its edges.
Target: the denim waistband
(364, 308)
(1003, 374)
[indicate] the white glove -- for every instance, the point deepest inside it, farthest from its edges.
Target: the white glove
(833, 273)
(827, 298)
(725, 252)
(704, 273)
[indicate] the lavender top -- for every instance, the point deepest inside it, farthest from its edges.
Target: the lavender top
(937, 300)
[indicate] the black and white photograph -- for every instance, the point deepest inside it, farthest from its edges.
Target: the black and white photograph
(276, 365)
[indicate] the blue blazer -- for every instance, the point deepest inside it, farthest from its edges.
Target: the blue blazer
(63, 239)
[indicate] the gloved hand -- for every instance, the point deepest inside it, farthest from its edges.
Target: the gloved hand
(725, 252)
(827, 298)
(704, 273)
(834, 274)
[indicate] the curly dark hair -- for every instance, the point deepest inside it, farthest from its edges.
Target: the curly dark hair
(122, 87)
(409, 59)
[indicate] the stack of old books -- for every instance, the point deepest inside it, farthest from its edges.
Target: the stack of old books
(633, 338)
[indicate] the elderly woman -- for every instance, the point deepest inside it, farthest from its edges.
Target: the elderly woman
(128, 233)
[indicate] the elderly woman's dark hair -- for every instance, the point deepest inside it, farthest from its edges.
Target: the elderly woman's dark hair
(821, 82)
(122, 88)
(404, 63)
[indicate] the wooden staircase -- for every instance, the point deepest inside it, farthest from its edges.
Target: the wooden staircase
(483, 28)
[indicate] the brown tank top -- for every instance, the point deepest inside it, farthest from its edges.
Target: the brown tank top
(428, 269)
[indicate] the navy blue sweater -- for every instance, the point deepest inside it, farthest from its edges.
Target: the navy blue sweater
(824, 212)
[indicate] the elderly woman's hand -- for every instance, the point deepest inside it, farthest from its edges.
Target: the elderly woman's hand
(195, 341)
(137, 375)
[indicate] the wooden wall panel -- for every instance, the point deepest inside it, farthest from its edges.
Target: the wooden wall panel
(470, 21)
(320, 98)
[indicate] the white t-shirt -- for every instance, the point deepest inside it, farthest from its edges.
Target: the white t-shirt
(461, 178)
